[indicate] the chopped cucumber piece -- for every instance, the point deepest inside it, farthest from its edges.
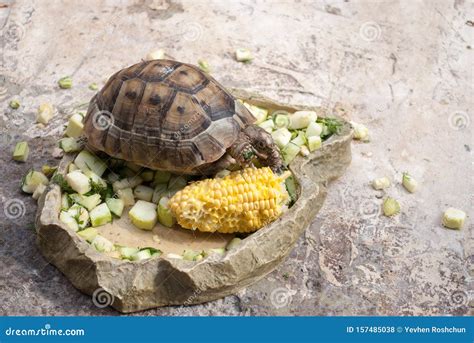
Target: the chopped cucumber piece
(21, 152)
(48, 170)
(176, 256)
(129, 182)
(301, 119)
(75, 126)
(89, 202)
(115, 206)
(78, 182)
(289, 152)
(243, 55)
(96, 179)
(390, 207)
(220, 251)
(88, 234)
(64, 202)
(143, 193)
(300, 139)
(314, 129)
(267, 125)
(39, 191)
(80, 214)
(65, 82)
(45, 113)
(70, 144)
(361, 132)
(14, 104)
(126, 195)
(282, 120)
(381, 183)
(454, 218)
(304, 151)
(71, 167)
(290, 184)
(204, 65)
(165, 216)
(32, 180)
(127, 253)
(87, 161)
(233, 243)
(100, 215)
(158, 192)
(142, 255)
(161, 177)
(281, 137)
(258, 112)
(143, 215)
(191, 255)
(147, 175)
(314, 143)
(102, 244)
(68, 220)
(409, 183)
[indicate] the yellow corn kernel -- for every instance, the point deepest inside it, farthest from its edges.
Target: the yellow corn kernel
(243, 201)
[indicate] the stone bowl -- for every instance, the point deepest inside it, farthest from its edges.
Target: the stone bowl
(161, 281)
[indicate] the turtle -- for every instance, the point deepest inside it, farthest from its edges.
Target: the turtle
(171, 116)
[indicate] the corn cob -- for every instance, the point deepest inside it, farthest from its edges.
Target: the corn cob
(243, 201)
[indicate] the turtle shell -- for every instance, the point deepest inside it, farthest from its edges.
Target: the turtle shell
(165, 115)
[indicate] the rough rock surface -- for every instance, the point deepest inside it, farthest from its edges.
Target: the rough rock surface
(404, 66)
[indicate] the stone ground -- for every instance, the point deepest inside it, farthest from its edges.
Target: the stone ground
(404, 69)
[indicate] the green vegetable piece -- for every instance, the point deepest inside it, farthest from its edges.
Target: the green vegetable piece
(290, 184)
(65, 82)
(102, 244)
(161, 177)
(14, 104)
(204, 65)
(87, 161)
(143, 215)
(289, 152)
(165, 217)
(126, 195)
(281, 137)
(115, 206)
(258, 112)
(70, 144)
(143, 193)
(80, 214)
(68, 220)
(301, 119)
(93, 86)
(78, 182)
(381, 183)
(390, 207)
(233, 243)
(409, 183)
(191, 255)
(300, 139)
(31, 180)
(75, 126)
(281, 119)
(243, 55)
(127, 253)
(454, 218)
(314, 143)
(314, 129)
(88, 234)
(100, 215)
(21, 152)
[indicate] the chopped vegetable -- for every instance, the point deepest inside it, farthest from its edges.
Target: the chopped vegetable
(89, 202)
(143, 193)
(314, 129)
(115, 206)
(300, 139)
(65, 82)
(159, 191)
(102, 244)
(68, 220)
(258, 112)
(48, 170)
(126, 195)
(314, 143)
(145, 253)
(243, 55)
(301, 119)
(70, 144)
(39, 191)
(80, 214)
(243, 201)
(143, 215)
(62, 183)
(177, 182)
(127, 253)
(45, 113)
(204, 65)
(289, 152)
(64, 202)
(390, 207)
(176, 256)
(71, 167)
(165, 215)
(161, 177)
(267, 125)
(75, 126)
(129, 182)
(330, 126)
(281, 119)
(100, 215)
(360, 132)
(290, 184)
(14, 104)
(219, 251)
(409, 183)
(454, 218)
(32, 179)
(21, 152)
(88, 234)
(157, 54)
(281, 137)
(86, 161)
(381, 183)
(233, 243)
(304, 151)
(93, 86)
(191, 255)
(78, 182)
(147, 175)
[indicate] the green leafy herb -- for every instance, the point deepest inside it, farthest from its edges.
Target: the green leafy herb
(331, 125)
(152, 250)
(62, 183)
(104, 191)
